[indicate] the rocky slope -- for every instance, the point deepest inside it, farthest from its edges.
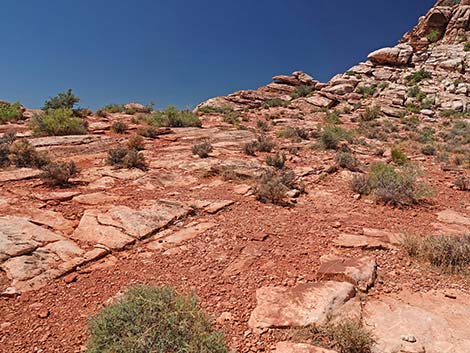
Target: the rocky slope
(326, 254)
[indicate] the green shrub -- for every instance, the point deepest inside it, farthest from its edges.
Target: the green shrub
(366, 91)
(302, 91)
(466, 46)
(10, 112)
(275, 102)
(333, 118)
(347, 160)
(157, 320)
(57, 122)
(434, 36)
(64, 100)
(398, 156)
(331, 136)
(6, 140)
(202, 149)
(371, 113)
(396, 187)
(262, 125)
(119, 127)
(232, 117)
(149, 132)
(58, 174)
(173, 117)
(110, 109)
(277, 161)
(450, 253)
(462, 183)
(215, 110)
(23, 155)
(418, 76)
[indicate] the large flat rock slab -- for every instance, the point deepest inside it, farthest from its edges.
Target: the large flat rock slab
(19, 174)
(121, 225)
(360, 271)
(439, 324)
(453, 217)
(64, 140)
(303, 305)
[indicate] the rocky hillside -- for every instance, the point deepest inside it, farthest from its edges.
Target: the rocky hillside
(307, 216)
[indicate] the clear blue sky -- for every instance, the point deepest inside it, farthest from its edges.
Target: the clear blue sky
(182, 52)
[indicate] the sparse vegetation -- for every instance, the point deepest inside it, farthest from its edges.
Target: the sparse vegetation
(428, 150)
(148, 131)
(277, 160)
(346, 336)
(215, 110)
(250, 148)
(332, 135)
(57, 122)
(265, 143)
(59, 174)
(274, 185)
(63, 101)
(23, 155)
(119, 127)
(367, 91)
(347, 160)
(275, 102)
(156, 320)
(370, 113)
(136, 142)
(450, 253)
(360, 184)
(417, 77)
(398, 156)
(10, 112)
(202, 149)
(123, 157)
(333, 118)
(294, 133)
(462, 183)
(173, 117)
(434, 36)
(302, 91)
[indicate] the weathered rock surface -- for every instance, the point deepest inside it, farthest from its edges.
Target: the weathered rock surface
(288, 347)
(438, 324)
(303, 305)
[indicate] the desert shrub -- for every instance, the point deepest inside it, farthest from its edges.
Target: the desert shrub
(360, 184)
(346, 336)
(428, 150)
(370, 113)
(434, 36)
(450, 253)
(57, 122)
(149, 132)
(10, 112)
(63, 100)
(466, 46)
(347, 160)
(215, 110)
(23, 155)
(333, 118)
(294, 133)
(418, 76)
(413, 108)
(6, 140)
(277, 160)
(302, 91)
(8, 137)
(275, 102)
(398, 156)
(366, 91)
(135, 142)
(158, 320)
(123, 157)
(58, 174)
(265, 143)
(415, 92)
(274, 185)
(119, 127)
(110, 109)
(262, 125)
(173, 117)
(462, 183)
(202, 149)
(250, 148)
(332, 135)
(396, 187)
(232, 117)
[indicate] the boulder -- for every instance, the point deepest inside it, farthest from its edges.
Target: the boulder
(397, 56)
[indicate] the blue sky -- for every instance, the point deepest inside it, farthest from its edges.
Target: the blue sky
(182, 52)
